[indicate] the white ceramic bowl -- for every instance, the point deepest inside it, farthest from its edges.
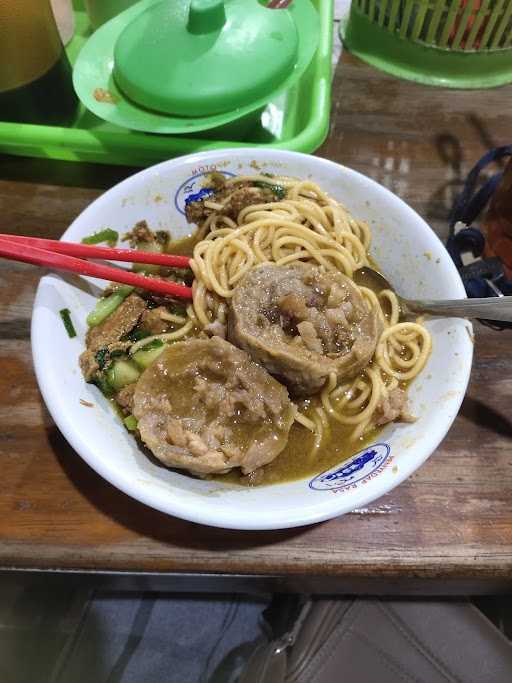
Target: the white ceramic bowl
(408, 252)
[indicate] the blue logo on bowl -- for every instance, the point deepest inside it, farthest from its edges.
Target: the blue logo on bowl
(193, 189)
(362, 465)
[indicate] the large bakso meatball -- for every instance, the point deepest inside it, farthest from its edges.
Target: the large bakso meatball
(206, 407)
(302, 323)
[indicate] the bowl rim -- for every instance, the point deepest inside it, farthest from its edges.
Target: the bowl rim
(216, 516)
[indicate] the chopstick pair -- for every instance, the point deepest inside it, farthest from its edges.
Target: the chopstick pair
(70, 257)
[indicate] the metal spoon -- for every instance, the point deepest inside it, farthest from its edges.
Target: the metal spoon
(493, 308)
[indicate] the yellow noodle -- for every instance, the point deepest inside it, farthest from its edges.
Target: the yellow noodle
(165, 337)
(213, 205)
(392, 299)
(319, 431)
(172, 318)
(374, 396)
(304, 421)
(388, 358)
(281, 180)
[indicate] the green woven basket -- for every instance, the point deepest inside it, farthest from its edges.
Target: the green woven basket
(452, 43)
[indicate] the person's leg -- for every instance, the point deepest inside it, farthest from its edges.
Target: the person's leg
(37, 623)
(68, 636)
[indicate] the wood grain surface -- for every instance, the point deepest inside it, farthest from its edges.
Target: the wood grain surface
(450, 522)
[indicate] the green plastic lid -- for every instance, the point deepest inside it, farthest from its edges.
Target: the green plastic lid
(97, 88)
(203, 57)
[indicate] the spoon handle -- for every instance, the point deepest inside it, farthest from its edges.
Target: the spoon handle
(494, 308)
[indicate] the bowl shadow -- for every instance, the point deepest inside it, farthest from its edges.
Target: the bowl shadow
(485, 417)
(144, 520)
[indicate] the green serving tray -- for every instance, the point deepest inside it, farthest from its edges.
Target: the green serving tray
(297, 120)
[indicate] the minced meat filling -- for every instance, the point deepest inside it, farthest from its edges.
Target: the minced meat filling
(232, 198)
(140, 233)
(124, 398)
(152, 322)
(393, 406)
(324, 319)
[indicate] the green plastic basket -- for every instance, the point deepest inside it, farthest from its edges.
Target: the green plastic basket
(451, 43)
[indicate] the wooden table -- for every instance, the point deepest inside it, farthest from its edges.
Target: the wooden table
(448, 529)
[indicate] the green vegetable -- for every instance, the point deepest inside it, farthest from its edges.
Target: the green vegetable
(278, 190)
(104, 386)
(130, 423)
(162, 237)
(148, 354)
(216, 179)
(121, 373)
(102, 357)
(176, 308)
(136, 335)
(151, 247)
(109, 236)
(154, 344)
(66, 319)
(107, 305)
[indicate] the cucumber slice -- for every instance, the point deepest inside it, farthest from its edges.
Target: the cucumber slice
(146, 357)
(130, 423)
(107, 305)
(121, 373)
(151, 247)
(104, 386)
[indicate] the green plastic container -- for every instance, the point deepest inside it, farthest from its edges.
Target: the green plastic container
(450, 43)
(145, 79)
(298, 120)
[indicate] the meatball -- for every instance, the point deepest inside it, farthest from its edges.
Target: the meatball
(302, 323)
(206, 407)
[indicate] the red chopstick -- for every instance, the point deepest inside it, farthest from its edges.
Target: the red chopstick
(27, 253)
(109, 253)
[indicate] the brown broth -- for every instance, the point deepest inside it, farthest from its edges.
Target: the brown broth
(298, 461)
(183, 246)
